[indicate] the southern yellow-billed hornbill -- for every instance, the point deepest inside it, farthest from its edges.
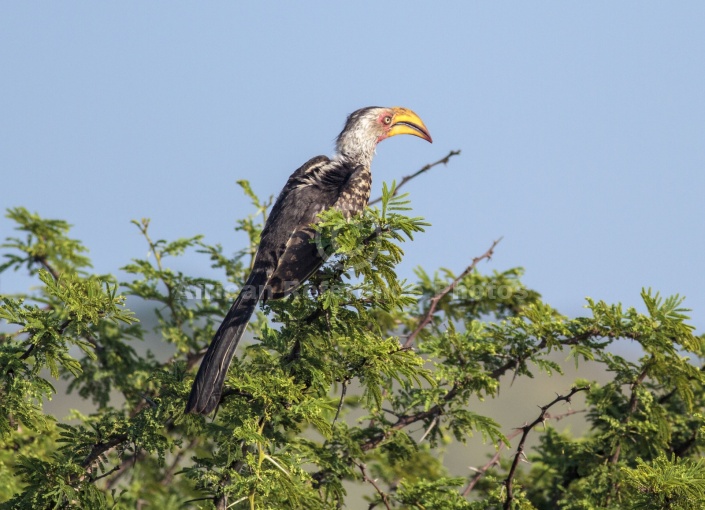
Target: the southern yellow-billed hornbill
(287, 255)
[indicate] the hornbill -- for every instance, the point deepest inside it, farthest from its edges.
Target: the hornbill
(287, 255)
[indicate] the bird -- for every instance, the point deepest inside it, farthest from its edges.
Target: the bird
(287, 256)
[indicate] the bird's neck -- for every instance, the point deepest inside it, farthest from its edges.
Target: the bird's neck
(356, 150)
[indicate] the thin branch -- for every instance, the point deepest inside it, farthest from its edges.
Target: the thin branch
(45, 264)
(123, 466)
(60, 331)
(426, 168)
(105, 474)
(382, 495)
(575, 340)
(102, 448)
(633, 404)
(435, 299)
(139, 456)
(143, 227)
(29, 350)
(346, 381)
(683, 448)
(402, 422)
(479, 473)
(438, 409)
(524, 434)
(434, 422)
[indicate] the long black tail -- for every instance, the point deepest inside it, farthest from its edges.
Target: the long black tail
(208, 385)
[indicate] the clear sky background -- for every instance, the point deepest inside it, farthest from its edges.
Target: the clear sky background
(581, 125)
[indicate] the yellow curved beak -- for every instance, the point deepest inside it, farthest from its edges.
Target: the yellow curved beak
(406, 122)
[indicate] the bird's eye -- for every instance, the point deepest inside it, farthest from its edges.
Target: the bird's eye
(388, 120)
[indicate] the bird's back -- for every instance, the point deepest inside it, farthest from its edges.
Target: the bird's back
(288, 242)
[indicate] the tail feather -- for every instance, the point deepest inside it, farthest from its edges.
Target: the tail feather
(208, 386)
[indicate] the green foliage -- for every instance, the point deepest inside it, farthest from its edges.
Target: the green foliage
(678, 483)
(360, 379)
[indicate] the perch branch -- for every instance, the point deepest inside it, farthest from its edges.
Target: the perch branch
(422, 170)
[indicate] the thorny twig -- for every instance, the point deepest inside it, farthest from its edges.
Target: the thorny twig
(93, 480)
(435, 299)
(524, 434)
(479, 473)
(426, 168)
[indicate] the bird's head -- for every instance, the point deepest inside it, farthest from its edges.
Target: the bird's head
(366, 127)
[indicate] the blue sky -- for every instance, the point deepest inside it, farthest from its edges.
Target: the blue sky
(581, 125)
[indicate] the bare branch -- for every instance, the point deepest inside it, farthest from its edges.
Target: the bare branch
(435, 299)
(45, 264)
(479, 473)
(382, 495)
(344, 390)
(105, 474)
(102, 448)
(121, 468)
(525, 433)
(424, 169)
(434, 422)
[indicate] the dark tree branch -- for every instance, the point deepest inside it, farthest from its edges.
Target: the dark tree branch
(31, 347)
(221, 502)
(424, 169)
(29, 350)
(435, 299)
(45, 264)
(383, 496)
(525, 433)
(479, 473)
(631, 409)
(121, 468)
(681, 449)
(515, 362)
(668, 396)
(342, 399)
(101, 448)
(438, 409)
(105, 474)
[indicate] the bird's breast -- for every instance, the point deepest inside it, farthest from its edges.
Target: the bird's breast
(355, 194)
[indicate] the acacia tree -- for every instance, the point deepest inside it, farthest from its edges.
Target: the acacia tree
(358, 378)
